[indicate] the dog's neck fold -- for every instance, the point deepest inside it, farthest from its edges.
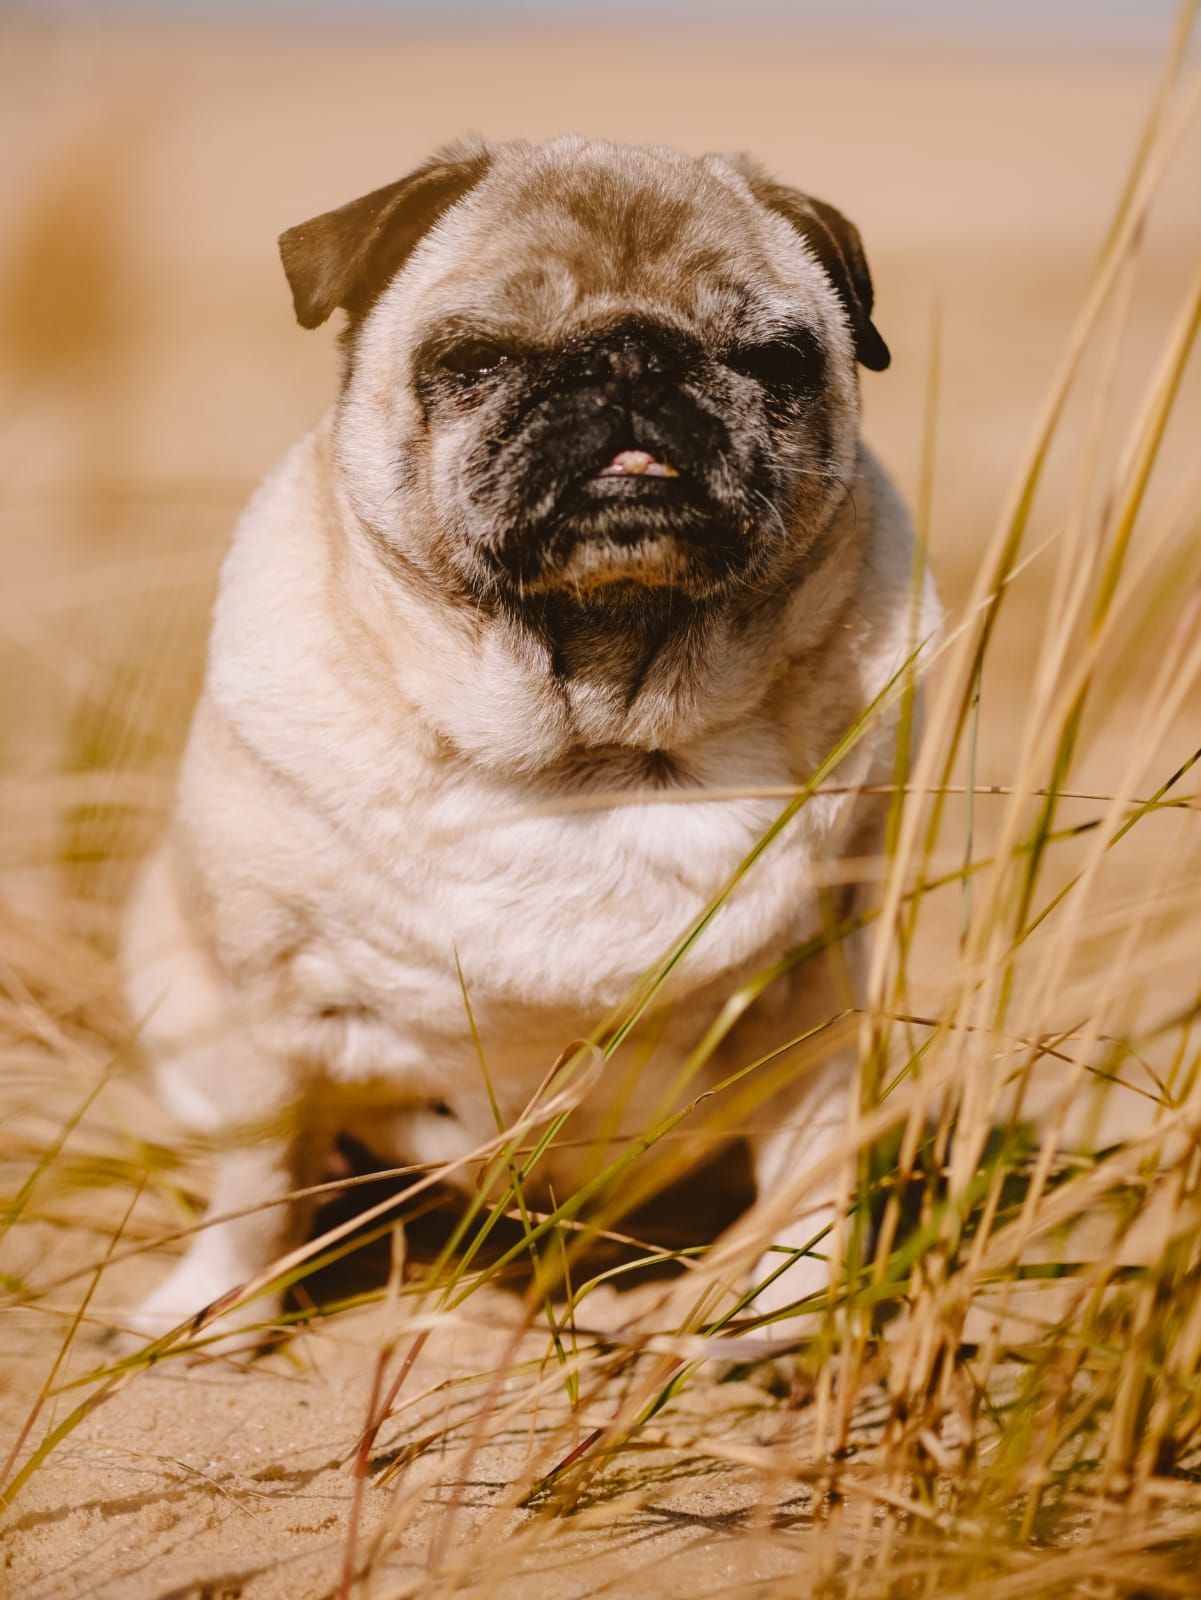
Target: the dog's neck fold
(527, 692)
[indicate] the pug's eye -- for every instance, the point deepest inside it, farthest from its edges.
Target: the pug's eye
(792, 364)
(474, 358)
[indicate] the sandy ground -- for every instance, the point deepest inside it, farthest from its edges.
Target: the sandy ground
(152, 372)
(232, 1483)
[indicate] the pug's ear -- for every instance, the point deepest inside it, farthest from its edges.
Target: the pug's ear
(835, 242)
(349, 256)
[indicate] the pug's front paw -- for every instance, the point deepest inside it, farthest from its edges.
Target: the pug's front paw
(796, 1287)
(181, 1302)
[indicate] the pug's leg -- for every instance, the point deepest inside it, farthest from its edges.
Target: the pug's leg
(810, 1128)
(219, 1084)
(249, 1223)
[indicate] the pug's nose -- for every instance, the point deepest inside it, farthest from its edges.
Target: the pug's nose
(620, 361)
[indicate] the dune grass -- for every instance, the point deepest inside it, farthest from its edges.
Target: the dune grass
(1002, 1394)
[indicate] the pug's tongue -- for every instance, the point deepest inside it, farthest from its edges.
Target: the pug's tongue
(637, 464)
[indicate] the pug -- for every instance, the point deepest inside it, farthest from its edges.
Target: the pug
(512, 660)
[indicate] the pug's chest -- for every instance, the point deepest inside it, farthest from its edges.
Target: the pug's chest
(533, 941)
(545, 920)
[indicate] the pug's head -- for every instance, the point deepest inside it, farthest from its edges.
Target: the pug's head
(590, 374)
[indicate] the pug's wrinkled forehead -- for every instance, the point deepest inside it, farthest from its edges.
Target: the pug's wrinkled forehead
(541, 242)
(561, 242)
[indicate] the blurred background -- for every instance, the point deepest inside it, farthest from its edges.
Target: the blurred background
(150, 370)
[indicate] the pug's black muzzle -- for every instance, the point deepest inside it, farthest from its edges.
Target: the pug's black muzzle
(576, 410)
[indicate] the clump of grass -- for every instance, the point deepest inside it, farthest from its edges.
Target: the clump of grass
(1003, 1393)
